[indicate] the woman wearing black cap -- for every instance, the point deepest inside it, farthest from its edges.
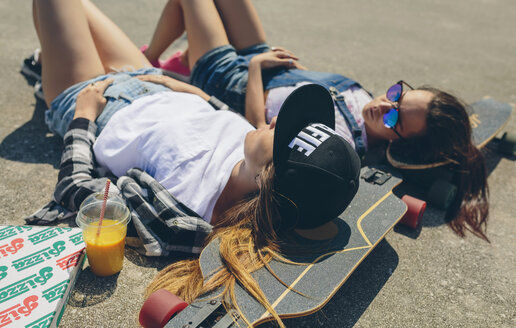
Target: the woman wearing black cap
(255, 186)
(313, 176)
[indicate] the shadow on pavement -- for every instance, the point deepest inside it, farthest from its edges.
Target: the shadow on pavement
(158, 262)
(493, 157)
(32, 142)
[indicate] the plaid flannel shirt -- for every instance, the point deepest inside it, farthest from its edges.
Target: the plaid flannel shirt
(160, 224)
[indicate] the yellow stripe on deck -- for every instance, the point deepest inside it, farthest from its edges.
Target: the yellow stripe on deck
(359, 226)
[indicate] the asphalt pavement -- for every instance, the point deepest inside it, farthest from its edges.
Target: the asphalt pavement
(423, 278)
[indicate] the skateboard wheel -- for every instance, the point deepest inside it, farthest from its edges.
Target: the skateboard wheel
(441, 194)
(426, 177)
(159, 308)
(507, 143)
(415, 209)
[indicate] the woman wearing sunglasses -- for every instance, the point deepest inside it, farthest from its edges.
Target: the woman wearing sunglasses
(237, 66)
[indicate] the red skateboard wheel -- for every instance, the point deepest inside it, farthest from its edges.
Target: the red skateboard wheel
(416, 208)
(159, 308)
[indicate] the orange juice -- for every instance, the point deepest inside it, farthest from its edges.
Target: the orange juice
(105, 252)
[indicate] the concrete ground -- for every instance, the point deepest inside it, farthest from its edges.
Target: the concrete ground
(427, 278)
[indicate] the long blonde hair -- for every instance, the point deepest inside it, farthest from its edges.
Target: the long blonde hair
(248, 241)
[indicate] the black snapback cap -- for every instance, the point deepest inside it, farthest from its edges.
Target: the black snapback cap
(317, 171)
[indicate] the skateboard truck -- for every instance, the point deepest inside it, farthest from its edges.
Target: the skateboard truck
(164, 309)
(415, 207)
(210, 314)
(376, 176)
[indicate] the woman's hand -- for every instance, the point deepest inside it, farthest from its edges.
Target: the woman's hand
(173, 84)
(164, 80)
(91, 100)
(296, 62)
(275, 58)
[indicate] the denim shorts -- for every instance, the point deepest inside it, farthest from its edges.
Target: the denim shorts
(121, 93)
(223, 72)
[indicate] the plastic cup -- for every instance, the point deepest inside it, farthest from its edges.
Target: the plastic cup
(104, 250)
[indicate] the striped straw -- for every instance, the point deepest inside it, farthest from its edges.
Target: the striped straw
(103, 209)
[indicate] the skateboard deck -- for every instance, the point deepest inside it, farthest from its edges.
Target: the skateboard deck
(372, 214)
(488, 118)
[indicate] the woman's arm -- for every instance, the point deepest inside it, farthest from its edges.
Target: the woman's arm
(75, 180)
(174, 84)
(254, 98)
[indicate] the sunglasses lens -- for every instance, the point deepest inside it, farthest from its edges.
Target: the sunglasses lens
(394, 92)
(390, 118)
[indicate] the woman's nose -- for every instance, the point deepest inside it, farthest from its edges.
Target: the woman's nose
(385, 106)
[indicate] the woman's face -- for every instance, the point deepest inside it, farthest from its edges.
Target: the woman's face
(413, 110)
(258, 147)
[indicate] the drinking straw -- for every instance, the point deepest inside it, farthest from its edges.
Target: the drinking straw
(103, 209)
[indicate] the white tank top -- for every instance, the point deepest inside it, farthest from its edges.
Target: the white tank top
(180, 140)
(355, 98)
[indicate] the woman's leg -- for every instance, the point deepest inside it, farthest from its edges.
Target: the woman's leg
(243, 26)
(204, 28)
(114, 47)
(170, 27)
(68, 50)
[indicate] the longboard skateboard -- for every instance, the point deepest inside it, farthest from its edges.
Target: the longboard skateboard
(374, 211)
(488, 118)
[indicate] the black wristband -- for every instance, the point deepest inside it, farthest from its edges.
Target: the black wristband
(79, 123)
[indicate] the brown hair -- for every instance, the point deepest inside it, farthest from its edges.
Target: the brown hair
(448, 137)
(248, 242)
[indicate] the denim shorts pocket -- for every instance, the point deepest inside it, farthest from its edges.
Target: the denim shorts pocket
(126, 88)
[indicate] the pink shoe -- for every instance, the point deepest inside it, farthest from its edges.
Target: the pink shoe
(154, 63)
(174, 64)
